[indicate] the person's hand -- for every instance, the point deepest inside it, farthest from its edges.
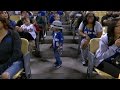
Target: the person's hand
(117, 42)
(20, 29)
(87, 37)
(60, 49)
(17, 28)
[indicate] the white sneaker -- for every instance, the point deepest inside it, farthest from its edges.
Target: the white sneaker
(83, 62)
(58, 66)
(45, 35)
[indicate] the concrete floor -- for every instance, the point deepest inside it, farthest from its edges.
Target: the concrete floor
(42, 68)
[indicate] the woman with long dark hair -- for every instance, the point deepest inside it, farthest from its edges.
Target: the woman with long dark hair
(11, 58)
(108, 54)
(5, 14)
(88, 29)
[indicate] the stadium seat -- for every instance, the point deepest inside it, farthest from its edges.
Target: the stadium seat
(15, 17)
(93, 46)
(26, 54)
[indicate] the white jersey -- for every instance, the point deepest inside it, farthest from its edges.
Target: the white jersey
(30, 28)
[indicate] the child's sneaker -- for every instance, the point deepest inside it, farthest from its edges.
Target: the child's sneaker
(54, 65)
(57, 66)
(84, 63)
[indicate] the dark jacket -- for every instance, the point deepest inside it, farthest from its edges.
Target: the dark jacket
(10, 48)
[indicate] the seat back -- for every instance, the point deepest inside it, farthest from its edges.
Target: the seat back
(15, 17)
(94, 44)
(25, 45)
(25, 51)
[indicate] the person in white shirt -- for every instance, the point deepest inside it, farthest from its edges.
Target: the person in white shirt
(28, 30)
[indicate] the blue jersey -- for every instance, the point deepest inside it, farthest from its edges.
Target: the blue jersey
(90, 33)
(57, 39)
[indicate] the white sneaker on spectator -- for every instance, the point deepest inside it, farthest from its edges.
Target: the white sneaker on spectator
(45, 35)
(84, 63)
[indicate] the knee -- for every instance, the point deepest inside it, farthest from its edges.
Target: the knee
(5, 75)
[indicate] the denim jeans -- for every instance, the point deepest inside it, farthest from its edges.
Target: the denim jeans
(13, 69)
(57, 57)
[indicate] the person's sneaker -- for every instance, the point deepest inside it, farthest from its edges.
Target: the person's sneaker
(84, 63)
(54, 65)
(57, 66)
(45, 35)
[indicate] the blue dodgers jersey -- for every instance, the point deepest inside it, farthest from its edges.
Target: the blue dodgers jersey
(57, 39)
(90, 33)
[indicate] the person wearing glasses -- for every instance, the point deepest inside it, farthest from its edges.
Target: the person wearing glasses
(88, 29)
(108, 54)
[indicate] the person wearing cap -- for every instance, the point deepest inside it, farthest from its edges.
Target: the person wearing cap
(57, 42)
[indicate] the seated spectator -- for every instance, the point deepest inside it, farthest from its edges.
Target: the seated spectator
(108, 54)
(5, 14)
(28, 30)
(23, 14)
(88, 29)
(11, 58)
